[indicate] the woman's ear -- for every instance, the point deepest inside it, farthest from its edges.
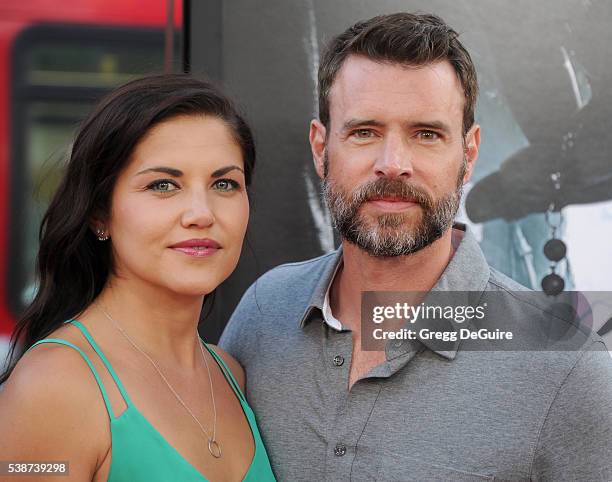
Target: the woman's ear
(99, 228)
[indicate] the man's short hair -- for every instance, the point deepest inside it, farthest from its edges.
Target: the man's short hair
(403, 38)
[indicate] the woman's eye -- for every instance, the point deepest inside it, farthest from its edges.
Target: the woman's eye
(163, 185)
(226, 185)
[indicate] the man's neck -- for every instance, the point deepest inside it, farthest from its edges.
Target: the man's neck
(361, 272)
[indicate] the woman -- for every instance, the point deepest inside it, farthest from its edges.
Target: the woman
(149, 219)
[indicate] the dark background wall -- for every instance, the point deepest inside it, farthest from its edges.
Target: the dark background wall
(545, 75)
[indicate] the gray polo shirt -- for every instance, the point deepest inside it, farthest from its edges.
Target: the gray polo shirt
(426, 413)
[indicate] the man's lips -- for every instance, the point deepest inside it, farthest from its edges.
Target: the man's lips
(197, 247)
(393, 204)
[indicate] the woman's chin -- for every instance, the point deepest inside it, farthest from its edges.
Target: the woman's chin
(195, 289)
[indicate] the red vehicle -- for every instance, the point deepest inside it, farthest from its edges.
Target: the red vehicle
(56, 60)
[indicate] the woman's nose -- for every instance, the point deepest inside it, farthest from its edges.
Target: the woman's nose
(199, 213)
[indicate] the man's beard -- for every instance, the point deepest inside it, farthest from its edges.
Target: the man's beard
(391, 236)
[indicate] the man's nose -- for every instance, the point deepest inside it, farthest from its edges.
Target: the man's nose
(395, 159)
(198, 212)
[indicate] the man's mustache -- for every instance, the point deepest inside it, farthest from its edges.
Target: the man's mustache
(391, 188)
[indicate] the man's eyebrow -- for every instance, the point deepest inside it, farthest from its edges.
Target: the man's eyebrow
(433, 125)
(225, 170)
(356, 123)
(166, 170)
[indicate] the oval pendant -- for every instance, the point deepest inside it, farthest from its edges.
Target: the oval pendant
(214, 448)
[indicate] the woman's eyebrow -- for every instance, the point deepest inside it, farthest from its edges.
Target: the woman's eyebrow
(166, 170)
(225, 170)
(178, 173)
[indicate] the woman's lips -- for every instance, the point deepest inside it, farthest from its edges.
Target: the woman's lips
(199, 251)
(197, 247)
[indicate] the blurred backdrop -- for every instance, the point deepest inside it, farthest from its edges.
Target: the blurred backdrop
(56, 60)
(545, 94)
(545, 168)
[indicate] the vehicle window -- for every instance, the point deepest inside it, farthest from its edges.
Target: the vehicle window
(60, 72)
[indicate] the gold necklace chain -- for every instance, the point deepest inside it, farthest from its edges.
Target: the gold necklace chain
(213, 446)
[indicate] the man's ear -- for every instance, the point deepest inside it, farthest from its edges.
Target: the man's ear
(471, 148)
(317, 138)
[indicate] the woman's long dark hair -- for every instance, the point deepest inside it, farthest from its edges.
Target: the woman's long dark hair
(72, 265)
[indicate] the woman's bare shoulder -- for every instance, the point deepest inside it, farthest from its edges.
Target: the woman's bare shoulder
(232, 364)
(50, 407)
(48, 369)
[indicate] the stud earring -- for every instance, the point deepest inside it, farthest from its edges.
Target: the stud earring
(102, 236)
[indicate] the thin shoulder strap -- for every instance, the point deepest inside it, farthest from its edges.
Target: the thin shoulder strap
(226, 372)
(91, 367)
(107, 364)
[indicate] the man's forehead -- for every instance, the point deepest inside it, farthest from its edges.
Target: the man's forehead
(365, 87)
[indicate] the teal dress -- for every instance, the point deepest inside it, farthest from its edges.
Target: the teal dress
(139, 452)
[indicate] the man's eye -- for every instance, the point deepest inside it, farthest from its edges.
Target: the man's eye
(363, 133)
(429, 136)
(162, 185)
(226, 185)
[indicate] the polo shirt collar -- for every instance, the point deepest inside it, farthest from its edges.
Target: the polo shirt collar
(467, 271)
(323, 284)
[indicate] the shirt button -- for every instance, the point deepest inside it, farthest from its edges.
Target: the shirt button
(339, 450)
(338, 360)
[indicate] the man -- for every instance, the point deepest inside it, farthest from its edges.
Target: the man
(395, 142)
